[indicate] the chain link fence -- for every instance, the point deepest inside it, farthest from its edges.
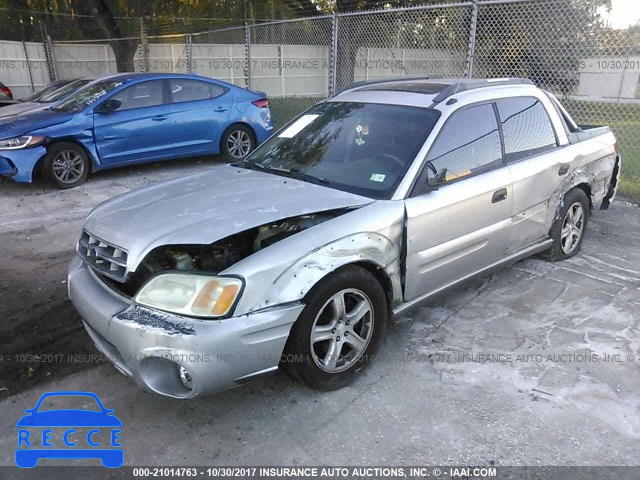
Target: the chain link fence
(564, 46)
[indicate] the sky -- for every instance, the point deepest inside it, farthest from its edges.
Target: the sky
(624, 13)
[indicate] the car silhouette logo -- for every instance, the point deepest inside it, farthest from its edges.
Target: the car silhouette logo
(63, 427)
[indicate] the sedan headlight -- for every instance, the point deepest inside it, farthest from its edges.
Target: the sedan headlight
(191, 294)
(21, 142)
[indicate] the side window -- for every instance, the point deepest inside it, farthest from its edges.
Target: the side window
(140, 95)
(468, 143)
(184, 90)
(526, 127)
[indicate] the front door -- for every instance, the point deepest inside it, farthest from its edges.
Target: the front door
(140, 129)
(464, 225)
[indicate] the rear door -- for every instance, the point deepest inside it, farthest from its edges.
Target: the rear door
(464, 225)
(200, 114)
(537, 165)
(140, 129)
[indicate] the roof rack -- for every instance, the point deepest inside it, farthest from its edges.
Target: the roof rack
(472, 84)
(452, 87)
(364, 83)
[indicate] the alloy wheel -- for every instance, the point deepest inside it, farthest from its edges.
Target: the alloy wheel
(572, 228)
(239, 144)
(68, 166)
(342, 331)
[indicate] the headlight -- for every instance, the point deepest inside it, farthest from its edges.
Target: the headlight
(21, 142)
(191, 294)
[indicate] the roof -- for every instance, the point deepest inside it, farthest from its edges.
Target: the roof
(437, 89)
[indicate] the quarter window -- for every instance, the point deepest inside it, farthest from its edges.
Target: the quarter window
(468, 143)
(140, 95)
(192, 90)
(526, 127)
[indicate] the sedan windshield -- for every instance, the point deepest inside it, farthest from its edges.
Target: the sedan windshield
(52, 87)
(87, 96)
(63, 92)
(362, 148)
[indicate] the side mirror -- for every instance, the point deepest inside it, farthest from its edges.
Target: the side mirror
(109, 106)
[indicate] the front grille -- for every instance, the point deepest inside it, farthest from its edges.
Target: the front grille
(105, 258)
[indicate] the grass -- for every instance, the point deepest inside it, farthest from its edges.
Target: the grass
(284, 109)
(624, 120)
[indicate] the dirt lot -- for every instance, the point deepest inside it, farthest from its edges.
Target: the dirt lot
(538, 364)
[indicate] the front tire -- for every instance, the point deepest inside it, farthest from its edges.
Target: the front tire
(339, 330)
(237, 142)
(569, 227)
(66, 165)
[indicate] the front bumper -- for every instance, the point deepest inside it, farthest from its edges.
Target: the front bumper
(19, 164)
(151, 346)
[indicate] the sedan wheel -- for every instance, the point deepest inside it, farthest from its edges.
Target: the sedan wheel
(68, 167)
(572, 228)
(237, 143)
(66, 164)
(342, 330)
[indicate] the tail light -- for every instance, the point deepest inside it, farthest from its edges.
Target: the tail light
(262, 103)
(616, 147)
(6, 91)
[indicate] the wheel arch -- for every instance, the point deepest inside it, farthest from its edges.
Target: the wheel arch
(371, 251)
(90, 155)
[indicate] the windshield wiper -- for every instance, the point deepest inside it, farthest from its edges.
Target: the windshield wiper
(300, 175)
(285, 172)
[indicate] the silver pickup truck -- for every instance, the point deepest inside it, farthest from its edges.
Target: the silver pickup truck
(362, 207)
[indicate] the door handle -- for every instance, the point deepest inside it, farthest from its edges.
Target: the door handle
(563, 170)
(159, 118)
(499, 195)
(220, 109)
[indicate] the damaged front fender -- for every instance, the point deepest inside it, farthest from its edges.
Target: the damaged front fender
(288, 270)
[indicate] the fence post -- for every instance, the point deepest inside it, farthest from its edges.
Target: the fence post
(48, 53)
(247, 51)
(333, 55)
(26, 57)
(189, 53)
(471, 52)
(145, 46)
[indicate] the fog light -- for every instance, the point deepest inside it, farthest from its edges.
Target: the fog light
(186, 379)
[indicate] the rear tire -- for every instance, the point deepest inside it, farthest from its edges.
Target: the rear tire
(66, 165)
(569, 226)
(339, 330)
(237, 142)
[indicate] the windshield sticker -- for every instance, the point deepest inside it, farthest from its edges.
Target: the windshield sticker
(377, 177)
(295, 128)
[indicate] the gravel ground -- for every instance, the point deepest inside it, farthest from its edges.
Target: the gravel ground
(537, 364)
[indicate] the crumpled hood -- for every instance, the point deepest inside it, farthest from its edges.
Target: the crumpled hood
(16, 126)
(205, 207)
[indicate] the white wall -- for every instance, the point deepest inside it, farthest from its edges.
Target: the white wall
(14, 67)
(611, 77)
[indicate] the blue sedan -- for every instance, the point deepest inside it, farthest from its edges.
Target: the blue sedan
(133, 118)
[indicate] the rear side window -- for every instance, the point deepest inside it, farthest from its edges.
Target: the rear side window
(468, 143)
(141, 95)
(526, 127)
(193, 90)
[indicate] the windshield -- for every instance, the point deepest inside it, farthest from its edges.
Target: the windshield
(87, 96)
(52, 87)
(362, 148)
(63, 92)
